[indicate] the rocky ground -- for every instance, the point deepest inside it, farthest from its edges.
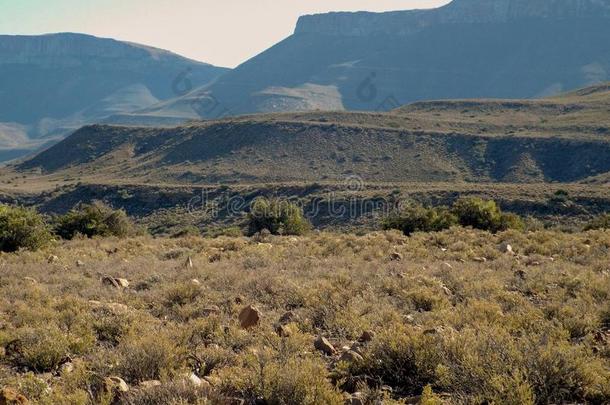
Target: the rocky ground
(455, 317)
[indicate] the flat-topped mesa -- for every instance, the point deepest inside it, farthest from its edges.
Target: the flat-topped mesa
(458, 11)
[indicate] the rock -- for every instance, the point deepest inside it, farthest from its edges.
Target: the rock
(123, 283)
(479, 259)
(395, 256)
(350, 356)
(195, 381)
(506, 248)
(367, 336)
(52, 259)
(195, 282)
(9, 396)
(116, 384)
(323, 345)
(80, 263)
(115, 282)
(358, 347)
(288, 317)
(30, 280)
(150, 384)
(249, 317)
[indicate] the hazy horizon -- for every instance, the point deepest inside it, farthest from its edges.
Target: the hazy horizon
(223, 34)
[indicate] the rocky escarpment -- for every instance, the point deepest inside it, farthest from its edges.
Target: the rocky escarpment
(69, 50)
(458, 11)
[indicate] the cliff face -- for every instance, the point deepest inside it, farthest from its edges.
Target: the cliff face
(458, 11)
(68, 49)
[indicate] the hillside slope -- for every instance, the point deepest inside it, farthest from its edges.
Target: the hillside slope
(52, 84)
(378, 61)
(560, 139)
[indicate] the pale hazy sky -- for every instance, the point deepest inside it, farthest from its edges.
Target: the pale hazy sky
(221, 32)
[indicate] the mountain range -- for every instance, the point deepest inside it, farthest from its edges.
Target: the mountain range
(379, 61)
(53, 84)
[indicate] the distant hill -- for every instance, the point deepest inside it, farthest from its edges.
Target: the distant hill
(53, 84)
(557, 139)
(378, 61)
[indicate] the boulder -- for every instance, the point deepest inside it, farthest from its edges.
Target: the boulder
(195, 381)
(323, 345)
(249, 317)
(506, 248)
(123, 283)
(9, 396)
(395, 256)
(350, 356)
(116, 384)
(115, 282)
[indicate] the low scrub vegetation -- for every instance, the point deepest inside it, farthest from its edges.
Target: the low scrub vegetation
(279, 217)
(96, 219)
(453, 317)
(22, 228)
(467, 212)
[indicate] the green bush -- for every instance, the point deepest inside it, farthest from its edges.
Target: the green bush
(278, 217)
(484, 215)
(416, 218)
(40, 349)
(96, 219)
(22, 228)
(600, 222)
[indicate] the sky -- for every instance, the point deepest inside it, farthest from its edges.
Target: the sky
(221, 32)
